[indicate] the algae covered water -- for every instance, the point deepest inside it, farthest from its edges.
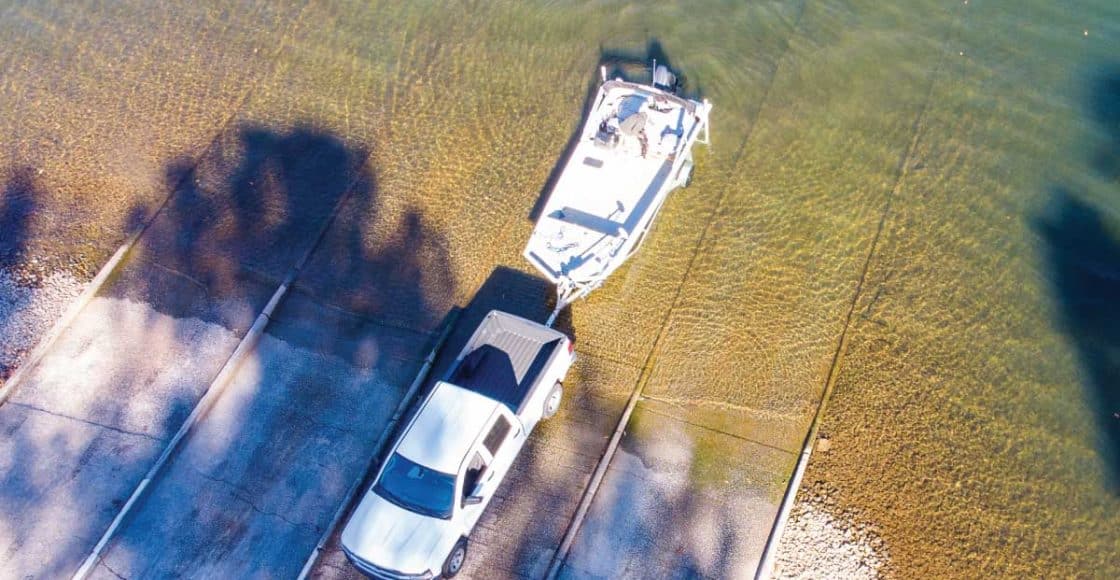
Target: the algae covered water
(935, 181)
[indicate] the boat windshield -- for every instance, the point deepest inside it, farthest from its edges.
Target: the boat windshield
(416, 488)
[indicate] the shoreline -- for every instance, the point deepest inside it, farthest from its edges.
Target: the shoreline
(822, 542)
(31, 301)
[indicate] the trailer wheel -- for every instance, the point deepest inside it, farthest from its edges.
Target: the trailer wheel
(552, 403)
(454, 562)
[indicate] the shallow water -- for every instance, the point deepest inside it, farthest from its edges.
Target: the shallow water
(933, 150)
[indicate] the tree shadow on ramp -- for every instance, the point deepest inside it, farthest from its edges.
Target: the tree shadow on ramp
(255, 484)
(236, 223)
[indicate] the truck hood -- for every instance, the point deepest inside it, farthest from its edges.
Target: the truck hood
(392, 537)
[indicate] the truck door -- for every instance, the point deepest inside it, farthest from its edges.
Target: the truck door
(504, 442)
(504, 438)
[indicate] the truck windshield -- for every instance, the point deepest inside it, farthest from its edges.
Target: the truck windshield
(416, 488)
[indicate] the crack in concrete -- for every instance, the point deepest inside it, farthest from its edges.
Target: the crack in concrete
(177, 273)
(252, 505)
(105, 565)
(86, 421)
(244, 495)
(310, 419)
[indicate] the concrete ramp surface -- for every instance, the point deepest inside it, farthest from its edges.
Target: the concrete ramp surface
(253, 487)
(86, 422)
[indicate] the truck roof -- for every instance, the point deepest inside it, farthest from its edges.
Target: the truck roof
(448, 424)
(504, 358)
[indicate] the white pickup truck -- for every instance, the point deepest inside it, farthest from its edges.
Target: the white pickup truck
(443, 470)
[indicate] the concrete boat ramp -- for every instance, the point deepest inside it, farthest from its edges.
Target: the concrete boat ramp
(208, 409)
(248, 490)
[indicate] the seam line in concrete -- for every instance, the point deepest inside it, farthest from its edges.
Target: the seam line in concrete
(719, 431)
(303, 291)
(766, 563)
(258, 276)
(683, 402)
(631, 364)
(381, 322)
(175, 273)
(406, 401)
(213, 391)
(85, 421)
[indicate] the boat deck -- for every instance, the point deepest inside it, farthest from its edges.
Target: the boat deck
(618, 173)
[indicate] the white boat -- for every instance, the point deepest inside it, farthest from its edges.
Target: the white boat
(634, 149)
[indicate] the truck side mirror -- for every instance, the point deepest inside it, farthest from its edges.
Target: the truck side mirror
(475, 497)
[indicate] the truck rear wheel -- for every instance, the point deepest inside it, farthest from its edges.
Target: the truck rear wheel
(454, 562)
(552, 403)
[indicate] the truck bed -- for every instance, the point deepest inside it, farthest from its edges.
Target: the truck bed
(504, 358)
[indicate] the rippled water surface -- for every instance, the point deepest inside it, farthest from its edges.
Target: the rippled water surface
(936, 181)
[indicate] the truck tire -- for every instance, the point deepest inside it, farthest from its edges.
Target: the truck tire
(552, 403)
(454, 562)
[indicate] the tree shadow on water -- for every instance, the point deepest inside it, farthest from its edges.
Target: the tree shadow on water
(17, 205)
(18, 201)
(1104, 108)
(1083, 250)
(1084, 260)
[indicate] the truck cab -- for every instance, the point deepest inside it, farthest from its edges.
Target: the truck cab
(441, 473)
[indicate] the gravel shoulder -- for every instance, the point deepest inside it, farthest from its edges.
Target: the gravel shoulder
(820, 542)
(29, 305)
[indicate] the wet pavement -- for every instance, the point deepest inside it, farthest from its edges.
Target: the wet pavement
(89, 419)
(682, 498)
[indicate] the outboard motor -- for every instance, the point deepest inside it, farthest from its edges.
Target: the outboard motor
(663, 79)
